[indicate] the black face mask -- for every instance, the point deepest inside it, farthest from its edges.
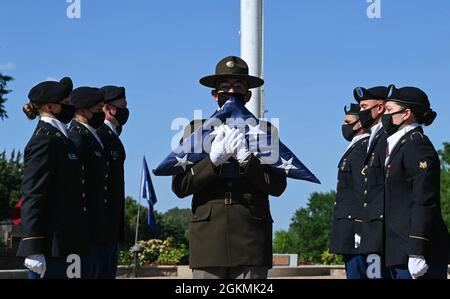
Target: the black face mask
(122, 115)
(97, 119)
(225, 96)
(348, 132)
(366, 118)
(66, 114)
(388, 124)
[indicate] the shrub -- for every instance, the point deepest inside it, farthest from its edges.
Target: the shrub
(331, 258)
(156, 251)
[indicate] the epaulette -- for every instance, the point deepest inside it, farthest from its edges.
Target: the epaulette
(416, 136)
(43, 131)
(79, 129)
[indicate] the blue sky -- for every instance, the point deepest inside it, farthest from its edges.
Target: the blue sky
(316, 53)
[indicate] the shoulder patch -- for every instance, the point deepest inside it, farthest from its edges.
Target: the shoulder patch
(416, 136)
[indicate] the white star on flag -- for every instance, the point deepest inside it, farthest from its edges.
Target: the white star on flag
(255, 131)
(183, 162)
(287, 165)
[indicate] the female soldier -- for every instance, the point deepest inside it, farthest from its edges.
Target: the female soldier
(416, 237)
(89, 116)
(54, 203)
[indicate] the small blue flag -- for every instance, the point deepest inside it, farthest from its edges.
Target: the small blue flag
(148, 192)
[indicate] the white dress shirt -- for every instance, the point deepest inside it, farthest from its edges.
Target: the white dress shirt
(111, 126)
(373, 132)
(356, 139)
(395, 138)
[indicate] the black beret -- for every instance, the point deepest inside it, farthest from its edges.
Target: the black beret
(410, 96)
(51, 91)
(352, 109)
(113, 93)
(86, 97)
(374, 93)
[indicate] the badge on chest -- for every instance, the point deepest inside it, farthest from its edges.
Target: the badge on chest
(72, 156)
(115, 155)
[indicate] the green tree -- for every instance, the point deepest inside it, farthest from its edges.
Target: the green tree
(3, 92)
(11, 172)
(144, 231)
(173, 223)
(282, 242)
(445, 182)
(309, 232)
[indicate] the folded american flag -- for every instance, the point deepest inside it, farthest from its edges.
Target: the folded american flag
(261, 138)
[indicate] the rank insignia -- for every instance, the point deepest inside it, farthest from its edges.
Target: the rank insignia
(423, 165)
(73, 157)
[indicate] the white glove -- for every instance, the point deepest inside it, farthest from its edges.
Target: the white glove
(357, 240)
(417, 266)
(242, 152)
(224, 145)
(36, 263)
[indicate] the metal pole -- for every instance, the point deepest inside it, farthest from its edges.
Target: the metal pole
(137, 221)
(251, 47)
(263, 95)
(136, 248)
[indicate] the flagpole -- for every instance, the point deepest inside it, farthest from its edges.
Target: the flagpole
(136, 248)
(252, 48)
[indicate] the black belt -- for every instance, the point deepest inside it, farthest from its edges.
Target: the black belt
(229, 198)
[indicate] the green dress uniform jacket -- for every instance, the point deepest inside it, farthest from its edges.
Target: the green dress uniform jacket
(230, 224)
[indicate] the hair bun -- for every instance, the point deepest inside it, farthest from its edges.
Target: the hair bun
(30, 110)
(428, 117)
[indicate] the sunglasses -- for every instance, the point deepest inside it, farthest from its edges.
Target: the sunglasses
(227, 86)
